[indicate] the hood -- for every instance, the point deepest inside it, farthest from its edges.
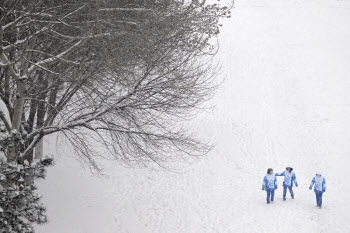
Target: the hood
(270, 169)
(318, 172)
(290, 165)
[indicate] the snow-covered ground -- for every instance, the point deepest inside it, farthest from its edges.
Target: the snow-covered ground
(286, 100)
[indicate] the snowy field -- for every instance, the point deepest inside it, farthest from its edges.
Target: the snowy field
(285, 100)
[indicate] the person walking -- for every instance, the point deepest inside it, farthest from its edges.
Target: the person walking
(289, 179)
(269, 184)
(320, 187)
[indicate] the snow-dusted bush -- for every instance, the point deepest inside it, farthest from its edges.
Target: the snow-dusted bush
(20, 205)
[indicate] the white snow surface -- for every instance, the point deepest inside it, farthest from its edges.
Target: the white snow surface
(285, 100)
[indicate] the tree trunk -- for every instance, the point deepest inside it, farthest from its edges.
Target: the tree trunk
(51, 108)
(39, 150)
(19, 103)
(40, 116)
(17, 115)
(31, 117)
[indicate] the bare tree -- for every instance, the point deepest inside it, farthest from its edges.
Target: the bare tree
(117, 74)
(122, 70)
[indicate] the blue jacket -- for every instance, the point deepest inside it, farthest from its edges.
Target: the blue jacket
(269, 183)
(320, 187)
(289, 179)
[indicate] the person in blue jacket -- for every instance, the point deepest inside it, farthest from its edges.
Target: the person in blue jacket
(289, 179)
(320, 187)
(269, 184)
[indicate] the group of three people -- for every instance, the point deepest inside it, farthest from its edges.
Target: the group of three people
(270, 184)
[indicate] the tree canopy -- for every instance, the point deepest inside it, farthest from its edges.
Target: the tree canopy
(114, 74)
(121, 70)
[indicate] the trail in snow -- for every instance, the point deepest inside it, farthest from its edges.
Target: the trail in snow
(286, 100)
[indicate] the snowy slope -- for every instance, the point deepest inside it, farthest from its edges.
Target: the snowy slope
(286, 100)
